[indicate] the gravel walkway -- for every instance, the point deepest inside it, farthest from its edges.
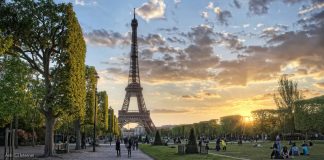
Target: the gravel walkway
(103, 152)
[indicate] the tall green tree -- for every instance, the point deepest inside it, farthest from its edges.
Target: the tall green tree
(103, 111)
(74, 81)
(309, 115)
(40, 31)
(91, 83)
(285, 98)
(14, 95)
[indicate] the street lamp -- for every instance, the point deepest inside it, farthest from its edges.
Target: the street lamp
(95, 115)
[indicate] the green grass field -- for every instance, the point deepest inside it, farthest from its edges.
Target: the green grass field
(168, 153)
(246, 151)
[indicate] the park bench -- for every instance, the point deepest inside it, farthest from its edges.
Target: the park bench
(61, 148)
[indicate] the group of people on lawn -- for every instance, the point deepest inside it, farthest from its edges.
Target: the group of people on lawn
(282, 152)
(220, 144)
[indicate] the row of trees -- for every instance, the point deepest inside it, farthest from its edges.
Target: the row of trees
(43, 77)
(293, 115)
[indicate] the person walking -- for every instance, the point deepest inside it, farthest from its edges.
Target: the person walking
(218, 144)
(118, 147)
(129, 148)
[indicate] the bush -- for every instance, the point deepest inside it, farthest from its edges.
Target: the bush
(157, 140)
(191, 147)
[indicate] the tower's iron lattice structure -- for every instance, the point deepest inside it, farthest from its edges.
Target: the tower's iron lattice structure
(134, 89)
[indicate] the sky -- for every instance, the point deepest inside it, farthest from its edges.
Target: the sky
(204, 59)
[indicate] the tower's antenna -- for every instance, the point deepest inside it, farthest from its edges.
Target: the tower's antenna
(134, 13)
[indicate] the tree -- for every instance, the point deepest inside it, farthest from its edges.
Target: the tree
(231, 124)
(265, 121)
(40, 31)
(5, 43)
(157, 140)
(91, 84)
(191, 147)
(103, 111)
(309, 115)
(74, 60)
(285, 98)
(14, 96)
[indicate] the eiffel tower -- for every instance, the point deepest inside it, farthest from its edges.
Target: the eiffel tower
(134, 89)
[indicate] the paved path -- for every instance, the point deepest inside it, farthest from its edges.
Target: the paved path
(103, 152)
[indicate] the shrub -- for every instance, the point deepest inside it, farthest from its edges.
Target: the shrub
(191, 147)
(157, 140)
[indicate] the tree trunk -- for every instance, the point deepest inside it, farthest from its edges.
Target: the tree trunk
(33, 136)
(77, 126)
(16, 133)
(49, 135)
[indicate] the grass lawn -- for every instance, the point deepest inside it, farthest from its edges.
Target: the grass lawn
(244, 151)
(168, 153)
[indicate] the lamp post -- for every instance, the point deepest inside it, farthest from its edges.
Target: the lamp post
(95, 116)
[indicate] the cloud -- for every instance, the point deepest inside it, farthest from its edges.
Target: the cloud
(259, 7)
(85, 2)
(172, 29)
(169, 111)
(320, 85)
(237, 3)
(246, 25)
(217, 10)
(310, 93)
(313, 7)
(79, 2)
(263, 97)
(179, 64)
(103, 37)
(229, 40)
(153, 9)
(274, 31)
(175, 39)
(204, 15)
(210, 5)
(198, 60)
(177, 1)
(266, 63)
(112, 39)
(260, 25)
(201, 96)
(223, 16)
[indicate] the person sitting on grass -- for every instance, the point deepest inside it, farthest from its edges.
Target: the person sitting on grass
(275, 154)
(285, 153)
(305, 149)
(223, 145)
(294, 150)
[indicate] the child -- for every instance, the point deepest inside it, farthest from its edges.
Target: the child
(223, 145)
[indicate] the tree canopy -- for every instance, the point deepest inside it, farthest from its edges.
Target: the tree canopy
(48, 37)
